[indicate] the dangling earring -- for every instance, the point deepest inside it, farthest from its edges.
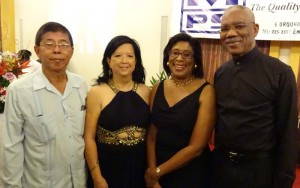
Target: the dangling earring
(195, 66)
(110, 72)
(168, 63)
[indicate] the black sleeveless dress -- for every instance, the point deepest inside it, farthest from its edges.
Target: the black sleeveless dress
(123, 161)
(174, 128)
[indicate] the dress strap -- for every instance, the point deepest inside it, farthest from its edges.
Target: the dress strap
(112, 86)
(135, 85)
(205, 84)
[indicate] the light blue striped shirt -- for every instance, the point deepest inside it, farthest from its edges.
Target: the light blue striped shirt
(43, 133)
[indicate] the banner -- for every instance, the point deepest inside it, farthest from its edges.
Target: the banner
(277, 19)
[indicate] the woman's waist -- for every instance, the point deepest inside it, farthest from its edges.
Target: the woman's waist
(128, 135)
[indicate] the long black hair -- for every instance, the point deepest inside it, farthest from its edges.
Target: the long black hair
(138, 74)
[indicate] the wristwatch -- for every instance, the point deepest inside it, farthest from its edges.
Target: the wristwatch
(157, 171)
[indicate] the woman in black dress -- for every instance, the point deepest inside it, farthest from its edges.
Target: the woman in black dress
(183, 117)
(117, 119)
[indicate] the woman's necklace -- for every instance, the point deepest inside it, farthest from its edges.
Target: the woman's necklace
(181, 84)
(116, 90)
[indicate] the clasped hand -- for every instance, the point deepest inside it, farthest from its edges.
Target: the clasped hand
(152, 178)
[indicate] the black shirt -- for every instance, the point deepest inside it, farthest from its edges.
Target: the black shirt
(257, 108)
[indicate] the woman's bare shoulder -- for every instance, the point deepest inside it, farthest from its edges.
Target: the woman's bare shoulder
(98, 89)
(144, 92)
(144, 88)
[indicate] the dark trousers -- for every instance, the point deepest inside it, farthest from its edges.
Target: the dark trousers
(257, 173)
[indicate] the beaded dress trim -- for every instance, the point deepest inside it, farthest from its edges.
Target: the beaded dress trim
(109, 137)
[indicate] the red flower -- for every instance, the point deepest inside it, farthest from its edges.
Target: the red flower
(3, 92)
(2, 68)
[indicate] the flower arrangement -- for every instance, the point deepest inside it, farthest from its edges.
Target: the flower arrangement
(10, 69)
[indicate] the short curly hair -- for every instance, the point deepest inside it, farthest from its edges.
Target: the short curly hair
(197, 51)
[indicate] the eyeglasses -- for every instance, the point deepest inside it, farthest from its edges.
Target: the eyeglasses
(51, 45)
(185, 54)
(236, 27)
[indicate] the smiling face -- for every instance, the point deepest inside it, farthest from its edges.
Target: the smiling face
(181, 61)
(238, 31)
(122, 61)
(54, 51)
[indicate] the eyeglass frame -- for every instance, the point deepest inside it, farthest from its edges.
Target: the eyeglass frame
(51, 45)
(181, 53)
(236, 27)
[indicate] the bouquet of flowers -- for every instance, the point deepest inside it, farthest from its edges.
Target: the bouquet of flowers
(10, 69)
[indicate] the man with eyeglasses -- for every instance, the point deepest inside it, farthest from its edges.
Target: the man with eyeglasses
(255, 134)
(44, 119)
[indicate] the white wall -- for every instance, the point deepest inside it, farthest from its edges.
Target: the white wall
(93, 23)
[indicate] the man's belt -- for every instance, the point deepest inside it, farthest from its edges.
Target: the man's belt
(238, 157)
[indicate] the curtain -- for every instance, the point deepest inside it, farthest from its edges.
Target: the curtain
(213, 57)
(298, 90)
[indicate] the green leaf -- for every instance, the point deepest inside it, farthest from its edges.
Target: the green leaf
(160, 77)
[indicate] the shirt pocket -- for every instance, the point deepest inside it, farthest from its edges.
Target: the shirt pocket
(42, 128)
(77, 120)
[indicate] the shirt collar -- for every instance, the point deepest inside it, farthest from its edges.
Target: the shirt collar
(248, 57)
(40, 80)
